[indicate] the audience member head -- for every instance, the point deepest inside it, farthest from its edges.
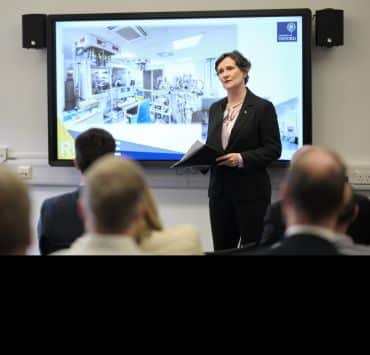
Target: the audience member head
(349, 211)
(112, 198)
(151, 221)
(313, 189)
(301, 151)
(15, 230)
(91, 145)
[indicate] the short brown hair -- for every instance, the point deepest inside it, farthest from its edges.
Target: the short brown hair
(14, 213)
(241, 62)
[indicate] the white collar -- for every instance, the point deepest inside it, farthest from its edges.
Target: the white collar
(96, 243)
(321, 232)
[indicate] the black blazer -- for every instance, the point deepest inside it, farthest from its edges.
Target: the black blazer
(256, 137)
(303, 244)
(359, 230)
(274, 224)
(59, 224)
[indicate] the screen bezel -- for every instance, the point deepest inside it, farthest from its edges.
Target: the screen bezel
(51, 64)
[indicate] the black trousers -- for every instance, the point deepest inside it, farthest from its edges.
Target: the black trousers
(235, 222)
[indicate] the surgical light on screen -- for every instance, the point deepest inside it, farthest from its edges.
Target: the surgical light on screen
(187, 42)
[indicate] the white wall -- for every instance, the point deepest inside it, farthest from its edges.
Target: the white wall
(340, 98)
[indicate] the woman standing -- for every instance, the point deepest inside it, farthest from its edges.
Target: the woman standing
(243, 126)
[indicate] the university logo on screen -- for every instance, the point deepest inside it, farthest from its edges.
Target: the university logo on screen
(287, 32)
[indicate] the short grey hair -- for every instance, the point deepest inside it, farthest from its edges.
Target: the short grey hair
(113, 191)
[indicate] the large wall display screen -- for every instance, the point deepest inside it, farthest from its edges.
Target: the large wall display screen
(149, 78)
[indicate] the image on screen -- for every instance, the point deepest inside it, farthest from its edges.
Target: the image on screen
(151, 82)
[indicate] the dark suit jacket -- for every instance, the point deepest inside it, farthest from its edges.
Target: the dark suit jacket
(299, 244)
(274, 224)
(303, 244)
(359, 230)
(256, 136)
(59, 224)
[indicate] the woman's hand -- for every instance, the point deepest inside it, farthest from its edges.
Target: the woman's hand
(231, 160)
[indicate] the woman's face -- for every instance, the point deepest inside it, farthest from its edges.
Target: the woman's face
(230, 74)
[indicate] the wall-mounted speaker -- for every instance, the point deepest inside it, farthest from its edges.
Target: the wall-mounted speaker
(34, 31)
(329, 28)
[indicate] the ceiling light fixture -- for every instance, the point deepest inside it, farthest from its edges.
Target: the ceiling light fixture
(187, 42)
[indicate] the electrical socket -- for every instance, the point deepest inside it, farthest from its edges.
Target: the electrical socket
(359, 175)
(3, 154)
(25, 171)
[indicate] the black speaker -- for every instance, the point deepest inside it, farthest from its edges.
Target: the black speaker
(34, 31)
(329, 28)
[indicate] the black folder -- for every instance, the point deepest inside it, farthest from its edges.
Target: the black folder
(199, 155)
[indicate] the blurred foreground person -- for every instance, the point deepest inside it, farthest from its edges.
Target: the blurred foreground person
(312, 199)
(157, 240)
(15, 226)
(111, 206)
(346, 218)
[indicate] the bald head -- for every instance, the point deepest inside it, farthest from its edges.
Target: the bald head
(316, 183)
(301, 151)
(321, 162)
